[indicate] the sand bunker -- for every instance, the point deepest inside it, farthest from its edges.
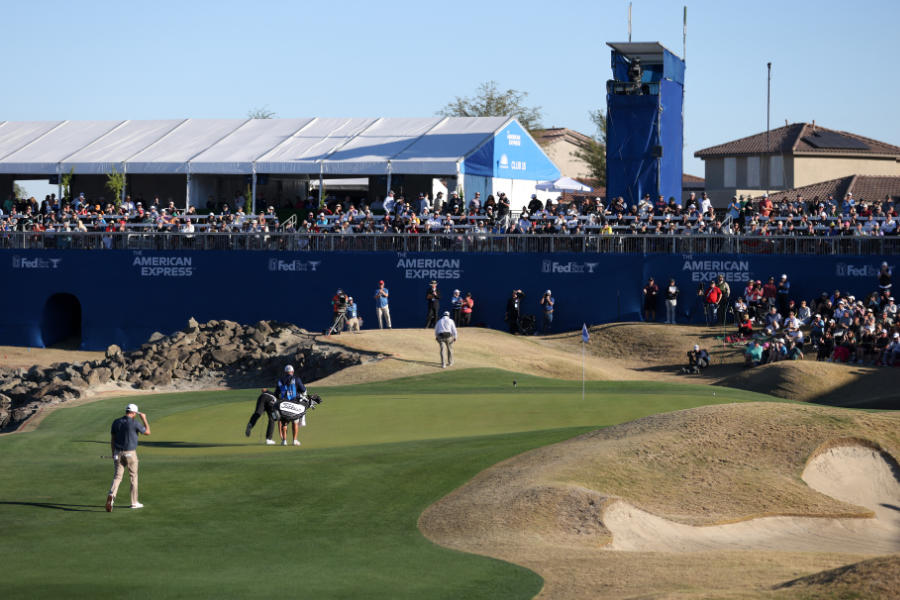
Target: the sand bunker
(854, 474)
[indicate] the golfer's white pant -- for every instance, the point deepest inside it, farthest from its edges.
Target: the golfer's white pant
(386, 311)
(670, 310)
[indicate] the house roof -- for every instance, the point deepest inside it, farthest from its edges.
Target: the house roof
(546, 137)
(801, 138)
(863, 187)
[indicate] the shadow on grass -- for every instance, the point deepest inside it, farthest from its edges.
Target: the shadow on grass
(175, 444)
(59, 506)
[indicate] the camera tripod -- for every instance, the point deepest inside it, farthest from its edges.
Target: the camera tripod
(340, 319)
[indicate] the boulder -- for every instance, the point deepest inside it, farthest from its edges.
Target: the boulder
(226, 355)
(156, 336)
(113, 351)
(192, 324)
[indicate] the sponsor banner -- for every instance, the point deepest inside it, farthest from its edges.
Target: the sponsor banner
(163, 266)
(703, 270)
(429, 268)
(568, 268)
(35, 262)
(161, 290)
(293, 266)
(858, 269)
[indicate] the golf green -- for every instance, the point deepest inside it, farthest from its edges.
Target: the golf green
(227, 516)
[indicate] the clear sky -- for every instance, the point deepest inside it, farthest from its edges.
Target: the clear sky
(835, 62)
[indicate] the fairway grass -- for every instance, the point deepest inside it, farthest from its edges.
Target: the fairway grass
(228, 517)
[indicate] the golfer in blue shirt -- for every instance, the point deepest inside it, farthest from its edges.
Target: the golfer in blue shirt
(123, 442)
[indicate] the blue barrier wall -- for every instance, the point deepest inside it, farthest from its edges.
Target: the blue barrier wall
(127, 295)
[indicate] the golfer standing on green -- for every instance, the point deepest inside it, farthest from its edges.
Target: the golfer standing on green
(123, 441)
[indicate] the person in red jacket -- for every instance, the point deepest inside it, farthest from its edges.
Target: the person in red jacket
(713, 296)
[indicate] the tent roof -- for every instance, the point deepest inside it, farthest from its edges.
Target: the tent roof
(335, 146)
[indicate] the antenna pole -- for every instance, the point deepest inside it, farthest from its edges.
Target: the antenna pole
(768, 114)
(629, 22)
(768, 103)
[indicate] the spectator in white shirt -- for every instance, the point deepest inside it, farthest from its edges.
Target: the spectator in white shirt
(445, 335)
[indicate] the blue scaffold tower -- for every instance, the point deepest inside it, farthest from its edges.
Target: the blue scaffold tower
(644, 122)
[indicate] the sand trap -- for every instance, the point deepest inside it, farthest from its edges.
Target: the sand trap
(854, 474)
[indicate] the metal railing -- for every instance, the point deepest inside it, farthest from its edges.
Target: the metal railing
(454, 242)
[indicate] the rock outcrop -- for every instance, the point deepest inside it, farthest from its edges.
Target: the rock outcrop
(208, 355)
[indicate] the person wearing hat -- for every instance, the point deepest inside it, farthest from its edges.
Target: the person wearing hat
(782, 295)
(381, 305)
(433, 301)
(123, 442)
(547, 302)
(698, 359)
(288, 386)
(354, 321)
(445, 335)
(456, 304)
(265, 405)
(513, 310)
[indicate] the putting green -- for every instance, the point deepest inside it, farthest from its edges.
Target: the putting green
(229, 517)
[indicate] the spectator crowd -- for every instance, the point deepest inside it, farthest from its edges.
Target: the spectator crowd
(492, 215)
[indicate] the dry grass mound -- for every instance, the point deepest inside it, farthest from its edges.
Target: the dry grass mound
(822, 382)
(704, 466)
(874, 579)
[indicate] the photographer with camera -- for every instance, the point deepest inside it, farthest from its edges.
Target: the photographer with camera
(339, 306)
(513, 310)
(547, 302)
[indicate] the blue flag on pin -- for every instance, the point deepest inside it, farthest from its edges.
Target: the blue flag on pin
(585, 336)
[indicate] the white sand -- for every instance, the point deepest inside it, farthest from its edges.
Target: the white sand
(854, 474)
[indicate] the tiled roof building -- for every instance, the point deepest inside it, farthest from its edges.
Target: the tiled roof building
(794, 156)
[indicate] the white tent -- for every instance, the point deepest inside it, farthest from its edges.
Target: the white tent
(563, 184)
(485, 147)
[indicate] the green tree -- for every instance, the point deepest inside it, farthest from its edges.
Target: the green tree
(594, 153)
(492, 102)
(262, 112)
(19, 191)
(115, 183)
(66, 181)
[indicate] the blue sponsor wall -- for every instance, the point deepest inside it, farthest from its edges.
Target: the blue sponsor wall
(125, 296)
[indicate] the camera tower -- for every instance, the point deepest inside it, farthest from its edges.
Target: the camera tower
(644, 122)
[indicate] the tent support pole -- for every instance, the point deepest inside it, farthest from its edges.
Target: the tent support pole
(321, 187)
(187, 192)
(125, 181)
(253, 191)
(389, 173)
(59, 183)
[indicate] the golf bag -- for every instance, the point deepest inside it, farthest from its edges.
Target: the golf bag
(287, 411)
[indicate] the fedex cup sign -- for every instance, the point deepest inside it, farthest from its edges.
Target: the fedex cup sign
(568, 268)
(293, 266)
(22, 262)
(851, 270)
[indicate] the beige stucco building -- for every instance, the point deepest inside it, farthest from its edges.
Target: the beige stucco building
(793, 156)
(561, 145)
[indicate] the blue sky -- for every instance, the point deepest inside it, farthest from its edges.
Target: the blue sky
(831, 61)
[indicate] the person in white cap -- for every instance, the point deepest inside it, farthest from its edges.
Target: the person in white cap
(698, 358)
(547, 302)
(123, 442)
(456, 304)
(445, 334)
